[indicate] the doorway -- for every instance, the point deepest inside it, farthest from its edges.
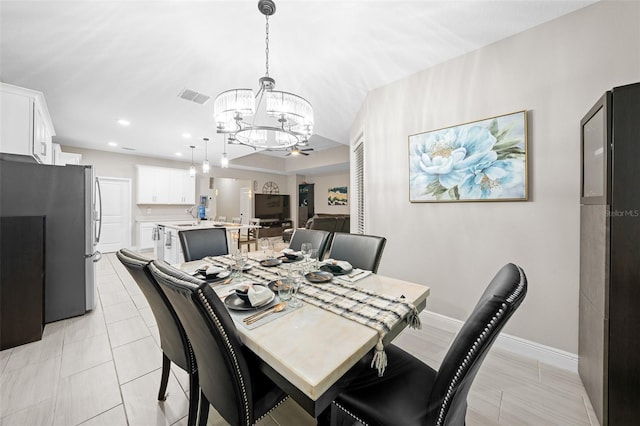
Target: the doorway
(116, 214)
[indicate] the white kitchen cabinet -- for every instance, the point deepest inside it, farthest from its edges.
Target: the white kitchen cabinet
(63, 158)
(26, 126)
(161, 185)
(182, 187)
(146, 235)
(70, 158)
(152, 185)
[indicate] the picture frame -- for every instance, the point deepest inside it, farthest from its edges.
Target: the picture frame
(484, 160)
(338, 196)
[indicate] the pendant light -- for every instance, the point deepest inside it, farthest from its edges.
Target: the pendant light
(192, 169)
(269, 120)
(205, 163)
(224, 161)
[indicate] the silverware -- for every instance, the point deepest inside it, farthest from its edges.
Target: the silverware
(275, 309)
(259, 314)
(250, 317)
(225, 282)
(356, 274)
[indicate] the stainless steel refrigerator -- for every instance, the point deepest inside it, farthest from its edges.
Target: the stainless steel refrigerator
(68, 197)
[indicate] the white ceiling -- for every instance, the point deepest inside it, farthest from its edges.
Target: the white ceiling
(99, 61)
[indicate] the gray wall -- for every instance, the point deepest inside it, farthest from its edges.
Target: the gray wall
(556, 72)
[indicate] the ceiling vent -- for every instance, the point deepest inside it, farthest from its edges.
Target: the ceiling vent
(193, 96)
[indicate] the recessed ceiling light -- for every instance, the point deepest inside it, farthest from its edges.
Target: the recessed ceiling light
(186, 135)
(112, 144)
(178, 154)
(123, 122)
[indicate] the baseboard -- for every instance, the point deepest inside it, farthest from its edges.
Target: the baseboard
(543, 353)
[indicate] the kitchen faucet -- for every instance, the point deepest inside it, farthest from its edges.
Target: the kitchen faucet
(190, 211)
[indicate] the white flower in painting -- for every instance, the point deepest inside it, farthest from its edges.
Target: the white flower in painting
(447, 155)
(491, 178)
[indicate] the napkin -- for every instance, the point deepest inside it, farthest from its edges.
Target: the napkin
(342, 264)
(213, 270)
(258, 295)
(291, 252)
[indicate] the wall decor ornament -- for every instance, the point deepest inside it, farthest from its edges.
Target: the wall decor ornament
(338, 196)
(484, 160)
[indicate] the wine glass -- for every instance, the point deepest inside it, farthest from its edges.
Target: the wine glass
(305, 248)
(264, 245)
(284, 289)
(313, 255)
(241, 258)
(296, 276)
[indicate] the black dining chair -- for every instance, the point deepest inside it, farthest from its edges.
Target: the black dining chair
(173, 339)
(412, 393)
(319, 239)
(230, 376)
(361, 251)
(199, 243)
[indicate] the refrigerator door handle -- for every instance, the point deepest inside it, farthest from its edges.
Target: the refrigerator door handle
(96, 255)
(99, 212)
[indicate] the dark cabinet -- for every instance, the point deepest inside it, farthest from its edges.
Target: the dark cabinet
(273, 227)
(609, 313)
(305, 203)
(22, 242)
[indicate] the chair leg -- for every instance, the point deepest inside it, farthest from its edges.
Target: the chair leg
(204, 410)
(166, 367)
(194, 397)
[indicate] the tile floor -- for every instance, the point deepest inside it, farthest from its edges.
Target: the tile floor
(104, 369)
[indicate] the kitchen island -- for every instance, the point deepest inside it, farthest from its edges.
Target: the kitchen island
(168, 246)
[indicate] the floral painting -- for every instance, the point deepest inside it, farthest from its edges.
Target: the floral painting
(338, 196)
(480, 161)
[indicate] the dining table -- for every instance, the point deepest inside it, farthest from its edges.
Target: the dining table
(306, 350)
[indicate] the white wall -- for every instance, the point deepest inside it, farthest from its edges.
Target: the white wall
(556, 72)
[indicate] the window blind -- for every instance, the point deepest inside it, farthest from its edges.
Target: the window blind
(359, 182)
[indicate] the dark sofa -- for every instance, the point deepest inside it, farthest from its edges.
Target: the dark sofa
(330, 222)
(325, 222)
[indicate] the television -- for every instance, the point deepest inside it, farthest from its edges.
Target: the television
(272, 206)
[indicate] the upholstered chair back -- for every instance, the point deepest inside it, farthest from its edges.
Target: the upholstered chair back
(199, 243)
(174, 343)
(504, 294)
(229, 374)
(318, 239)
(362, 251)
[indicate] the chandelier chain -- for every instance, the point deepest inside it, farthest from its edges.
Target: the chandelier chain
(266, 49)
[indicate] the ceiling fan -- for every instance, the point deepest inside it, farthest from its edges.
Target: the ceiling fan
(297, 151)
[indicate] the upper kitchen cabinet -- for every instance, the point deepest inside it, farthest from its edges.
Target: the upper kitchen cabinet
(182, 187)
(63, 158)
(26, 125)
(160, 185)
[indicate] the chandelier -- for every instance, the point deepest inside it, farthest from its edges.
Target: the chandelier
(270, 120)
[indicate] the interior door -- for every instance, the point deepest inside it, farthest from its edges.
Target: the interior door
(246, 204)
(116, 214)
